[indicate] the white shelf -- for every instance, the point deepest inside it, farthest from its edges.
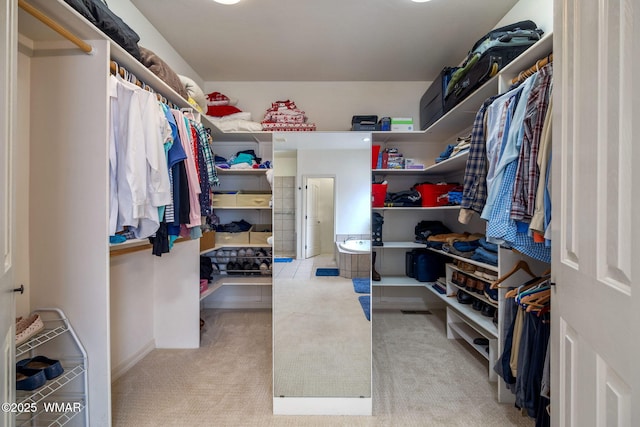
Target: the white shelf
(242, 207)
(476, 295)
(224, 280)
(529, 57)
(400, 245)
(51, 386)
(484, 324)
(468, 334)
(236, 245)
(469, 260)
(452, 164)
(418, 208)
(248, 171)
(399, 281)
(475, 276)
(382, 137)
(40, 339)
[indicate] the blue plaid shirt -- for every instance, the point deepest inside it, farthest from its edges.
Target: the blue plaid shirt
(474, 194)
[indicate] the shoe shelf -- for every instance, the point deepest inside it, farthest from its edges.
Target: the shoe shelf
(458, 327)
(469, 260)
(40, 338)
(235, 246)
(56, 324)
(226, 280)
(476, 295)
(484, 325)
(51, 386)
(53, 418)
(472, 274)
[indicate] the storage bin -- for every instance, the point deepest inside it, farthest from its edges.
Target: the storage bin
(208, 241)
(375, 152)
(224, 199)
(431, 194)
(259, 233)
(378, 194)
(258, 199)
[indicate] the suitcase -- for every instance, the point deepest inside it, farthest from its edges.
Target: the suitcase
(424, 265)
(432, 101)
(488, 56)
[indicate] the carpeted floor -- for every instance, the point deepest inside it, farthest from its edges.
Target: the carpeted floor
(420, 379)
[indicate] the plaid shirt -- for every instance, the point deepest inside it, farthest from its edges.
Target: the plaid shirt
(527, 176)
(474, 194)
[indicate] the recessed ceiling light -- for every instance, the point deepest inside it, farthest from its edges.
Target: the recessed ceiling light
(227, 1)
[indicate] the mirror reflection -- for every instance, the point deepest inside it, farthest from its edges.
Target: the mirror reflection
(321, 286)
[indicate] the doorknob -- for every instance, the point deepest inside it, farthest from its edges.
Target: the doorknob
(20, 289)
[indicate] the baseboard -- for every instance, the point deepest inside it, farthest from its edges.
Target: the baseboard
(322, 406)
(121, 368)
(238, 305)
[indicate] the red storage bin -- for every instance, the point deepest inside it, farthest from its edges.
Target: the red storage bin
(378, 194)
(431, 194)
(375, 152)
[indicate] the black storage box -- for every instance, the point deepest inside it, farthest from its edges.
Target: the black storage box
(432, 105)
(424, 265)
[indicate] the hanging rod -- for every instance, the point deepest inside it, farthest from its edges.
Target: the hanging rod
(49, 22)
(531, 70)
(115, 68)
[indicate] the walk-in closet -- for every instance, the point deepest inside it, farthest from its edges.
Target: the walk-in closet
(319, 231)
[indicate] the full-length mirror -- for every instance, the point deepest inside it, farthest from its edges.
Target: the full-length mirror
(321, 283)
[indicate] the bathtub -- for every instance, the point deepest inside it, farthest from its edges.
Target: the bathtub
(355, 246)
(354, 258)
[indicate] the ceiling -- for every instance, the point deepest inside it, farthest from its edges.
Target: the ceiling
(322, 40)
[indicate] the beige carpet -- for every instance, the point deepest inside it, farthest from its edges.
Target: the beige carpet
(420, 379)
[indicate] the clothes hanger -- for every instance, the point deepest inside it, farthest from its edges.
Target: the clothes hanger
(520, 265)
(525, 286)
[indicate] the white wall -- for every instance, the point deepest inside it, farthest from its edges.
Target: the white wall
(151, 38)
(539, 11)
(330, 105)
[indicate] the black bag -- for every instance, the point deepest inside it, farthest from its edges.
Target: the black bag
(432, 102)
(424, 229)
(206, 268)
(408, 198)
(488, 56)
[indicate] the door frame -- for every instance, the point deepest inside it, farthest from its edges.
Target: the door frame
(301, 252)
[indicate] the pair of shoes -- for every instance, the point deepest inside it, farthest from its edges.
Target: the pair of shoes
(487, 274)
(26, 328)
(464, 298)
(51, 368)
(465, 266)
(29, 379)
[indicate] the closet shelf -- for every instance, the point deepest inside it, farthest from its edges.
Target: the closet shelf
(40, 339)
(482, 324)
(475, 295)
(242, 207)
(451, 165)
(400, 245)
(251, 171)
(468, 334)
(236, 245)
(398, 281)
(417, 208)
(475, 276)
(469, 260)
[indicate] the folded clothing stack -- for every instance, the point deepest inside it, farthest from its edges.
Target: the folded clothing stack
(285, 116)
(462, 144)
(227, 117)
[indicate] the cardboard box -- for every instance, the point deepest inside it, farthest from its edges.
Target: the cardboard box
(208, 241)
(259, 233)
(258, 199)
(224, 199)
(402, 124)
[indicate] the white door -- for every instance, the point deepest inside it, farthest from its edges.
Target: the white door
(595, 367)
(8, 75)
(312, 220)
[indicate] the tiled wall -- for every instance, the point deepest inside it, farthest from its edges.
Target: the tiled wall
(284, 216)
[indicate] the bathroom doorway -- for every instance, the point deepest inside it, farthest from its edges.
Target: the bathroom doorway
(318, 219)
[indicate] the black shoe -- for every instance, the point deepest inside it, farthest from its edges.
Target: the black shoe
(464, 298)
(488, 310)
(478, 305)
(481, 341)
